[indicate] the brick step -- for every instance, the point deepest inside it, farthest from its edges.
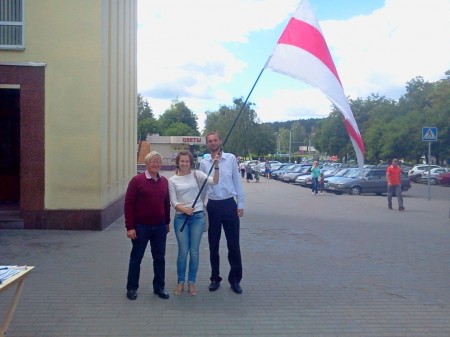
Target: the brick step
(11, 219)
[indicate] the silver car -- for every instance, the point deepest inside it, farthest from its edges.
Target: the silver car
(371, 181)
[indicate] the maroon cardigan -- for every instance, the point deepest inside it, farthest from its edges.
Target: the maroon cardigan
(147, 201)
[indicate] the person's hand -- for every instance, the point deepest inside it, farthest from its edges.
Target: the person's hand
(188, 210)
(240, 212)
(131, 234)
(168, 228)
(217, 158)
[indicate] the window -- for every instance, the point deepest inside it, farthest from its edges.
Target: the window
(12, 24)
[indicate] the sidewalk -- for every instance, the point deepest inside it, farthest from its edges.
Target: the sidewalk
(313, 266)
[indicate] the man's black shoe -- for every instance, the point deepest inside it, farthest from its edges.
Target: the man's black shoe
(131, 294)
(162, 293)
(214, 285)
(236, 288)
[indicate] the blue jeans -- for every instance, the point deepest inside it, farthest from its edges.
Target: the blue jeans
(157, 235)
(315, 185)
(188, 243)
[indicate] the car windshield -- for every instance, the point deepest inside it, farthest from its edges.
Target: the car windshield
(354, 173)
(277, 166)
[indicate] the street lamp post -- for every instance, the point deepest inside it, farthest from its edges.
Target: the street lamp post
(290, 143)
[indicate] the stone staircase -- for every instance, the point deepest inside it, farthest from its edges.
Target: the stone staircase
(11, 219)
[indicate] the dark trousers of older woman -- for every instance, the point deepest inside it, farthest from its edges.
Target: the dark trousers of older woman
(157, 235)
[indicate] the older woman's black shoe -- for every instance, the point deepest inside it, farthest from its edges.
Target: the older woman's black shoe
(131, 294)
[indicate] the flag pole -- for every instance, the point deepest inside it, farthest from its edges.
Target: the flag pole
(223, 144)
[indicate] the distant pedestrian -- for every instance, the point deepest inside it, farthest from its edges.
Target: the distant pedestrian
(256, 176)
(394, 181)
(242, 168)
(249, 172)
(315, 174)
(267, 169)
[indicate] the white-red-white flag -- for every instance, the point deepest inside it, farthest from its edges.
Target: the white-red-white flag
(302, 53)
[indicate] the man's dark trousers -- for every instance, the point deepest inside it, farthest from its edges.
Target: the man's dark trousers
(224, 213)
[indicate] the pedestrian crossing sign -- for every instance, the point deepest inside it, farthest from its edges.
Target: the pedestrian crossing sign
(429, 134)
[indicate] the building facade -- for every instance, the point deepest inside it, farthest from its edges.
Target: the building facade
(169, 146)
(68, 110)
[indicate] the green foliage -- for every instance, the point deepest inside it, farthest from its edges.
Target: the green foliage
(389, 128)
(247, 130)
(178, 113)
(146, 122)
(180, 129)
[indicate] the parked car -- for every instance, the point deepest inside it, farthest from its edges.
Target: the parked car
(277, 167)
(341, 172)
(306, 179)
(290, 177)
(433, 174)
(444, 179)
(415, 174)
(277, 173)
(371, 181)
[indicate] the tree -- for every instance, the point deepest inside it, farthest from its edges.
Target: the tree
(144, 109)
(242, 138)
(179, 129)
(178, 113)
(146, 122)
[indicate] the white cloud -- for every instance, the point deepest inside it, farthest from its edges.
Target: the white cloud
(391, 46)
(183, 52)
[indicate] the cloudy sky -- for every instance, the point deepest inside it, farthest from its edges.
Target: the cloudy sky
(206, 52)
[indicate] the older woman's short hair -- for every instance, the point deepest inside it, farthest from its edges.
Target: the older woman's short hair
(184, 153)
(152, 155)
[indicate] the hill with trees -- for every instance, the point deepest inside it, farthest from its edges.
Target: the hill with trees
(390, 128)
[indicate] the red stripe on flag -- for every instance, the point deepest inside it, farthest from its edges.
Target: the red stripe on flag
(351, 131)
(304, 36)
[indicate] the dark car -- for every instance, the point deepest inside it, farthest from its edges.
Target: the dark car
(371, 181)
(444, 179)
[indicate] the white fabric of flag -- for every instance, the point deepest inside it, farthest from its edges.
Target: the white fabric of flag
(302, 53)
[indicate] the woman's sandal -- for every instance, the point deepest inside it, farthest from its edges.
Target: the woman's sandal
(192, 290)
(179, 289)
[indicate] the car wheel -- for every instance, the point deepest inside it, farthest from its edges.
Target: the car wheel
(433, 181)
(355, 190)
(418, 178)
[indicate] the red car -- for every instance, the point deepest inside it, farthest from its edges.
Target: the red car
(444, 178)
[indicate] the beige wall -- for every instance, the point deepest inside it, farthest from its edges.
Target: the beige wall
(89, 48)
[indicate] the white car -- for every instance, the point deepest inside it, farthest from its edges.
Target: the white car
(433, 174)
(415, 173)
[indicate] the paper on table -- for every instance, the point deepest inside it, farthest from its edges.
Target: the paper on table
(8, 271)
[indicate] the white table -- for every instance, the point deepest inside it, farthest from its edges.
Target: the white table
(15, 280)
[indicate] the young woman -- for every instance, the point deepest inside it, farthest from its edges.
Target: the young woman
(183, 189)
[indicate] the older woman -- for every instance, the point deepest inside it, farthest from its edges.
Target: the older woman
(184, 187)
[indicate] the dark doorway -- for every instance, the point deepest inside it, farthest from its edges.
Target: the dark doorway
(9, 148)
